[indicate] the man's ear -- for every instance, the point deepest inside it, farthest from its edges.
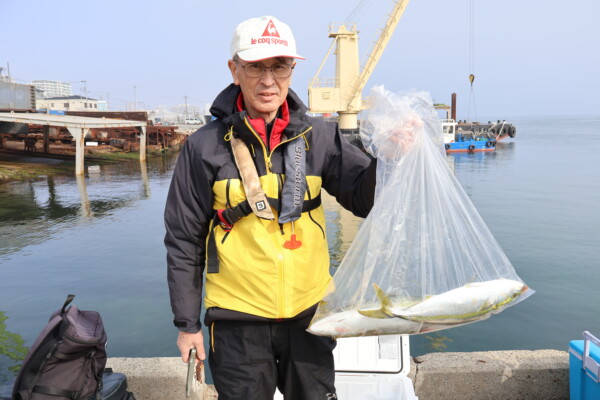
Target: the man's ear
(233, 67)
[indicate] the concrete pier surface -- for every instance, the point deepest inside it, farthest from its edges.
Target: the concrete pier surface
(493, 375)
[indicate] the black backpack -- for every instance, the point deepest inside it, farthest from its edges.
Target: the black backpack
(67, 359)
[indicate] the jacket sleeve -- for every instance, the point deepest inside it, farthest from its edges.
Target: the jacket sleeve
(349, 174)
(187, 217)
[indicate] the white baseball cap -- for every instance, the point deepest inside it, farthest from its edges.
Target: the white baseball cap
(264, 37)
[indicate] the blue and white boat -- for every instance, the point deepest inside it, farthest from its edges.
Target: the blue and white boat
(459, 140)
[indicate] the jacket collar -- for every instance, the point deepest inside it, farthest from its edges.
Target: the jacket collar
(260, 126)
(225, 108)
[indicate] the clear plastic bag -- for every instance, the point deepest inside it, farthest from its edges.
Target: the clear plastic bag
(423, 260)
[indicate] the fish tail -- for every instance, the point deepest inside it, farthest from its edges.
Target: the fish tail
(386, 303)
(384, 311)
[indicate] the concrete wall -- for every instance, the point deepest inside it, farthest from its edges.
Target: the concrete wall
(157, 378)
(506, 375)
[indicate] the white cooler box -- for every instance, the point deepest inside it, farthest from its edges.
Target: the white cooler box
(372, 368)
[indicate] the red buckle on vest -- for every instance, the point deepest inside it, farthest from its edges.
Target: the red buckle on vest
(223, 221)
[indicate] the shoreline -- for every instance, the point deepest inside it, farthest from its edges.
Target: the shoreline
(16, 165)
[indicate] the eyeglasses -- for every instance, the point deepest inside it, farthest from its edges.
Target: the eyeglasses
(256, 70)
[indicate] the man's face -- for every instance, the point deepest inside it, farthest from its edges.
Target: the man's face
(263, 95)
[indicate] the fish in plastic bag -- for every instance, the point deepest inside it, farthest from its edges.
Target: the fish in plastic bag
(467, 303)
(349, 323)
(424, 259)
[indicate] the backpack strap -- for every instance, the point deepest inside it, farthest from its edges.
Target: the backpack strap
(85, 353)
(67, 302)
(52, 391)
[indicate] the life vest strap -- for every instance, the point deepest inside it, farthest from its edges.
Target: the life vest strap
(226, 219)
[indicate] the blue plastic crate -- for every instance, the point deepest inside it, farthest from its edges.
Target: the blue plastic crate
(584, 368)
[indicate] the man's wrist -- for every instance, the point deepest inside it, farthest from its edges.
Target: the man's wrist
(184, 326)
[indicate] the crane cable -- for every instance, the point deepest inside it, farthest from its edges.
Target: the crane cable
(472, 58)
(358, 10)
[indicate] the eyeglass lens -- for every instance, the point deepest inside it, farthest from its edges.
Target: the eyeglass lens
(255, 70)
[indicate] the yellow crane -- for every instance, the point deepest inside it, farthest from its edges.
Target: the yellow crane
(343, 94)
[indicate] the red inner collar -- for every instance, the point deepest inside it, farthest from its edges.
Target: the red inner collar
(259, 124)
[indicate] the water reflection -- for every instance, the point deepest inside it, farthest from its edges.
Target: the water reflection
(437, 342)
(146, 183)
(12, 351)
(85, 210)
(32, 211)
(505, 151)
(342, 227)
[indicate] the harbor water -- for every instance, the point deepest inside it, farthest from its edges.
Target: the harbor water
(100, 237)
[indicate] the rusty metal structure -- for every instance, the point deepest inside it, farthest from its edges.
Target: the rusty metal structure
(124, 138)
(78, 127)
(158, 135)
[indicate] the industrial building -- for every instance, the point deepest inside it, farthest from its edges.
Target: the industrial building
(67, 103)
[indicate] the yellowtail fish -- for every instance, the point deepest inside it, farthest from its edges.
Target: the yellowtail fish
(471, 302)
(351, 323)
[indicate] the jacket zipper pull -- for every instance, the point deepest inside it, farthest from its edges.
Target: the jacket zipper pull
(292, 244)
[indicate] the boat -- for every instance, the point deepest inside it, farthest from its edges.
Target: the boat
(459, 140)
(465, 137)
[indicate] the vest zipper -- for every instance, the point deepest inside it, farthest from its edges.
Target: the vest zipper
(276, 246)
(289, 140)
(227, 205)
(227, 201)
(281, 305)
(279, 190)
(266, 153)
(267, 160)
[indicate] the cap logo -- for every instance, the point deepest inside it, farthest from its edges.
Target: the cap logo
(262, 38)
(270, 30)
(269, 36)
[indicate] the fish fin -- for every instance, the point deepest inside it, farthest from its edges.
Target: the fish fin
(449, 320)
(386, 303)
(374, 313)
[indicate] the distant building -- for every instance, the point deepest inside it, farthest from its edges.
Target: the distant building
(53, 88)
(102, 105)
(67, 103)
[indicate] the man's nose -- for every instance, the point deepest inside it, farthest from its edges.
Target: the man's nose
(267, 77)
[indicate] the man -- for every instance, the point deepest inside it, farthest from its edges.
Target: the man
(244, 208)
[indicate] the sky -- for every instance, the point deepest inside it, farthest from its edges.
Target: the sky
(529, 57)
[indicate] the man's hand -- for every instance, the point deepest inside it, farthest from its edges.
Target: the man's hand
(401, 138)
(187, 341)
